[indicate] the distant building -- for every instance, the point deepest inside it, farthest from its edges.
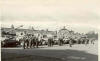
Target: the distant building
(22, 32)
(64, 33)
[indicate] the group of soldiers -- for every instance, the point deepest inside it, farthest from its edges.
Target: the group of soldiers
(30, 41)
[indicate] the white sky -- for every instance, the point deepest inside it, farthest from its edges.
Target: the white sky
(79, 15)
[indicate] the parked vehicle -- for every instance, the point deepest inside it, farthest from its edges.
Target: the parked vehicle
(9, 41)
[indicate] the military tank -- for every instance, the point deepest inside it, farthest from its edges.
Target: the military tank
(9, 41)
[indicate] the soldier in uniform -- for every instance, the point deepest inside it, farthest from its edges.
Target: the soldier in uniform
(37, 42)
(86, 41)
(24, 38)
(26, 42)
(50, 42)
(92, 41)
(34, 41)
(70, 42)
(60, 41)
(30, 41)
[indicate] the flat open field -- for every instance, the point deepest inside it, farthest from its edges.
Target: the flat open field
(56, 53)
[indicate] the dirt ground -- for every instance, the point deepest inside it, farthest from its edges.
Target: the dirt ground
(22, 57)
(56, 53)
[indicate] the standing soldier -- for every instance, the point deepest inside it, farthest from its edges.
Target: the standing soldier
(70, 42)
(40, 39)
(37, 40)
(52, 41)
(34, 41)
(49, 42)
(24, 38)
(60, 41)
(92, 40)
(26, 42)
(86, 41)
(30, 41)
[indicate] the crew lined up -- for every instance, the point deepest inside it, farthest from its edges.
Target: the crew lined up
(30, 41)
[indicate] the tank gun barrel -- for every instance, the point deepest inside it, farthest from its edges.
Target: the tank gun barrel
(16, 28)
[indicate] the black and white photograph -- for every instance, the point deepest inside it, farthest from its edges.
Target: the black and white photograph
(49, 30)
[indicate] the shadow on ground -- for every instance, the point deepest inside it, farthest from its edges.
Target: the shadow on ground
(46, 55)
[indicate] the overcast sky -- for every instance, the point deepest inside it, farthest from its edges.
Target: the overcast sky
(78, 15)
